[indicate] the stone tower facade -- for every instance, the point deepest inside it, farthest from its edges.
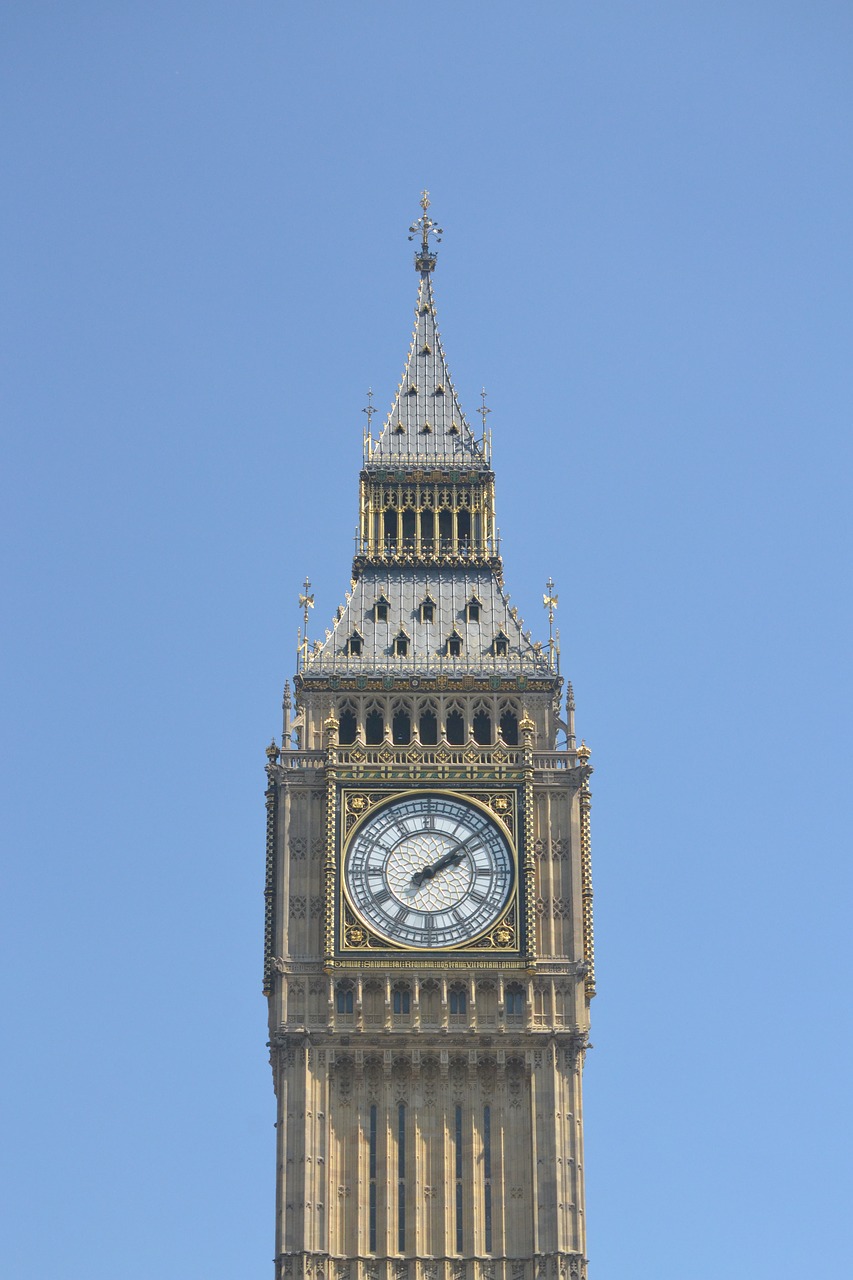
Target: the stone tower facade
(429, 955)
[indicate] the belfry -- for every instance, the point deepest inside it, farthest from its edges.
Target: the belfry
(428, 934)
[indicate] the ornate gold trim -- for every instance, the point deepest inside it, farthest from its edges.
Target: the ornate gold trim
(527, 728)
(330, 727)
(500, 804)
(586, 874)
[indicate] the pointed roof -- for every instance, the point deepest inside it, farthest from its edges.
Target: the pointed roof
(404, 591)
(426, 423)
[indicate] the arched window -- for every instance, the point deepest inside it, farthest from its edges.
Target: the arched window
(428, 726)
(347, 725)
(401, 1001)
(344, 998)
(509, 727)
(455, 728)
(482, 727)
(463, 528)
(408, 528)
(514, 1002)
(374, 727)
(401, 726)
(458, 1001)
(445, 529)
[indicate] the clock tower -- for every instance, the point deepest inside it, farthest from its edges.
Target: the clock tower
(428, 957)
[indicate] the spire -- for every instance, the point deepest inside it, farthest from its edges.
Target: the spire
(426, 422)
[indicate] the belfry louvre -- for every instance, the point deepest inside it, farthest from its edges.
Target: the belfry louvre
(428, 934)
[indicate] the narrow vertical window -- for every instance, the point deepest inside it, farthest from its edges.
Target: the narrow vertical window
(371, 1174)
(428, 728)
(482, 728)
(458, 1154)
(347, 725)
(401, 1177)
(487, 1176)
(455, 730)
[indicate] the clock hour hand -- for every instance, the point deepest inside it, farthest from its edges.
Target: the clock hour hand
(447, 860)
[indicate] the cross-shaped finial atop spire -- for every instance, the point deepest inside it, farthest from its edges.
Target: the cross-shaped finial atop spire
(306, 602)
(549, 599)
(425, 260)
(483, 409)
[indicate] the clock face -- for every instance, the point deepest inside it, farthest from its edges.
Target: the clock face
(429, 871)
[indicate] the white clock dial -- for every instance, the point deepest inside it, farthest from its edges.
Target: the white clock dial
(428, 870)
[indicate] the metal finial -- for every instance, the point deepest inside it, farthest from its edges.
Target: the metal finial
(483, 409)
(369, 408)
(549, 600)
(425, 260)
(306, 602)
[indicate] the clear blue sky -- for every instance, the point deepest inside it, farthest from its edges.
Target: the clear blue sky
(647, 262)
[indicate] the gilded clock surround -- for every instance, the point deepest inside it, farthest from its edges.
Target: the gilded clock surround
(503, 934)
(430, 1109)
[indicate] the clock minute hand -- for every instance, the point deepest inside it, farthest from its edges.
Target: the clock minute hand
(447, 860)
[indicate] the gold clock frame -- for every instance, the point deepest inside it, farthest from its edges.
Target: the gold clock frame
(503, 937)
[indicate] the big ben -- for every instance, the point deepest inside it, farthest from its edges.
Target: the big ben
(428, 945)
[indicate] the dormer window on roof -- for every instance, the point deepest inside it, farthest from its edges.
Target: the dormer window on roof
(439, 390)
(426, 429)
(399, 430)
(380, 610)
(413, 391)
(453, 646)
(472, 610)
(354, 644)
(401, 644)
(427, 609)
(500, 645)
(453, 430)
